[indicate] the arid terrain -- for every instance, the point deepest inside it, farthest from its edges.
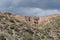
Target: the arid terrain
(19, 27)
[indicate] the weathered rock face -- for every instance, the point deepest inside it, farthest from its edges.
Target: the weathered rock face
(35, 20)
(19, 27)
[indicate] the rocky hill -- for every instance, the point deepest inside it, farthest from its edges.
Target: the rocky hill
(19, 27)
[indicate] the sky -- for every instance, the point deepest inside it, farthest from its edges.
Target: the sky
(31, 7)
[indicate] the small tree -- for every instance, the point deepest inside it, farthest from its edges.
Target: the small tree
(2, 38)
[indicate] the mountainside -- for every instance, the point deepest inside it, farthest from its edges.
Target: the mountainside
(19, 27)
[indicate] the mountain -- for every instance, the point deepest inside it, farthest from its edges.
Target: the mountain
(19, 27)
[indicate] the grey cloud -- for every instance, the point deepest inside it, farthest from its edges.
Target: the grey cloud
(30, 7)
(44, 4)
(32, 11)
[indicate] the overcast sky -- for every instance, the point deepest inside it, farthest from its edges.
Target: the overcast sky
(30, 7)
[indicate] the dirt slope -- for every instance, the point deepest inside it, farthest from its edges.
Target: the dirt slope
(19, 27)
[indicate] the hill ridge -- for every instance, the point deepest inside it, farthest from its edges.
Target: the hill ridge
(29, 27)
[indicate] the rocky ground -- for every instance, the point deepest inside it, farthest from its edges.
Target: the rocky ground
(17, 27)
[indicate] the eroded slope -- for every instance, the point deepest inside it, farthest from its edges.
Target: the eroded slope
(29, 28)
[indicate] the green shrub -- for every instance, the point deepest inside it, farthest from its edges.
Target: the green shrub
(2, 38)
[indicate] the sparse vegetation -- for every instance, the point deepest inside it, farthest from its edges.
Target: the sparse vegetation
(23, 31)
(2, 38)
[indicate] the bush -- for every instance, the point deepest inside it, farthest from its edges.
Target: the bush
(2, 38)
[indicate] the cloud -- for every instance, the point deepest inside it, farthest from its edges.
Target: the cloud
(44, 4)
(38, 11)
(30, 7)
(32, 11)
